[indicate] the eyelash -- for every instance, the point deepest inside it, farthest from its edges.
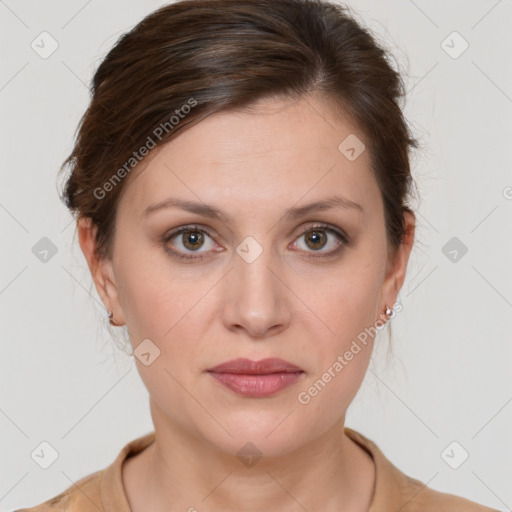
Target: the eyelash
(193, 227)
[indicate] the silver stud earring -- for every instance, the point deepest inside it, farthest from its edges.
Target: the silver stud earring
(388, 310)
(112, 322)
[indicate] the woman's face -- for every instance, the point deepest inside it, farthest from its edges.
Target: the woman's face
(266, 280)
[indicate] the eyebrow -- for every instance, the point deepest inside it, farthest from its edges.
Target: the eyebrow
(291, 214)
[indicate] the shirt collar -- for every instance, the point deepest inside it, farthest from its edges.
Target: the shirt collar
(386, 493)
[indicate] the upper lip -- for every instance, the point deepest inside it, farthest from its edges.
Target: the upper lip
(261, 367)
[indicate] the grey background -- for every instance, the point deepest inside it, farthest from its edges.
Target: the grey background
(64, 381)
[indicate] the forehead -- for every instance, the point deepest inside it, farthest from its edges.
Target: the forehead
(278, 152)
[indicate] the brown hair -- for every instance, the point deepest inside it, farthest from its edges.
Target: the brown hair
(192, 58)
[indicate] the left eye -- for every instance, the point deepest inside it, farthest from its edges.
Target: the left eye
(316, 238)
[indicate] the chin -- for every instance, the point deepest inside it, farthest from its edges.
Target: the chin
(263, 432)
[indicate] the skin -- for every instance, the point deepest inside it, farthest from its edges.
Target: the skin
(307, 310)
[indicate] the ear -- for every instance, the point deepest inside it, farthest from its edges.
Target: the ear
(397, 266)
(101, 268)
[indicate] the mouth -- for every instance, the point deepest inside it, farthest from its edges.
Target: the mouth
(256, 379)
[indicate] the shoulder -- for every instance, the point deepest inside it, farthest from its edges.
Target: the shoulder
(396, 491)
(99, 491)
(418, 497)
(82, 496)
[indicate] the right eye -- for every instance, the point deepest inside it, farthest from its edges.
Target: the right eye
(189, 240)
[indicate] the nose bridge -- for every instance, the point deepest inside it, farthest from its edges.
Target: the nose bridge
(256, 300)
(253, 267)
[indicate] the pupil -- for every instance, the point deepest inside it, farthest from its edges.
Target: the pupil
(319, 237)
(193, 238)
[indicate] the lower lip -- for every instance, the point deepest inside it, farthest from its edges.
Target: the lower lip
(257, 386)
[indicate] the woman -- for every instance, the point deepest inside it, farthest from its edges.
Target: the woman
(240, 184)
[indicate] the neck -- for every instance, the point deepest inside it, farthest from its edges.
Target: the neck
(330, 473)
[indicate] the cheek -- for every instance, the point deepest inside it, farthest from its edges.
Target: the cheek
(345, 303)
(329, 394)
(170, 308)
(342, 355)
(146, 291)
(344, 300)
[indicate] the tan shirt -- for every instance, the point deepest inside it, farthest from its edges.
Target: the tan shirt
(394, 491)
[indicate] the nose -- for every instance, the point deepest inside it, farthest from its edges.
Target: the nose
(257, 297)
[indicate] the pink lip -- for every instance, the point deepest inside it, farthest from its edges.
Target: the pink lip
(262, 367)
(256, 378)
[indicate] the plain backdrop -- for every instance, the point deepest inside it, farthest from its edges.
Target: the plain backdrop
(64, 381)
